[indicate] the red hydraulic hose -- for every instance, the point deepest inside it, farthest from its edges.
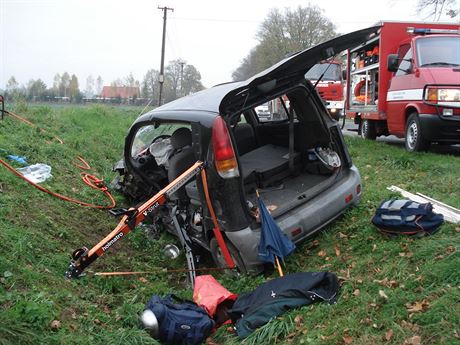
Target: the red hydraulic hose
(90, 180)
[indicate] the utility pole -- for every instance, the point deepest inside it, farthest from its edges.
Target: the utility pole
(182, 63)
(162, 66)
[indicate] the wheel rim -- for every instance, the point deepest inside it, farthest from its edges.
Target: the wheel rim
(364, 129)
(223, 263)
(412, 133)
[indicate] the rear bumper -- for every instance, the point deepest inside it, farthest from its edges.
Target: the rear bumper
(440, 128)
(309, 217)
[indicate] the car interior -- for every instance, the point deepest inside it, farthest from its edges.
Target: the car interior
(278, 158)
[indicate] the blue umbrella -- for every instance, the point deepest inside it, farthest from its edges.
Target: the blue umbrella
(274, 244)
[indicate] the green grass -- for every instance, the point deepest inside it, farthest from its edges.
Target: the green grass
(38, 233)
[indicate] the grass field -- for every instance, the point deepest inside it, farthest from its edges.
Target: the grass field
(394, 291)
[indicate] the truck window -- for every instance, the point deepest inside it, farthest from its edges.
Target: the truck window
(438, 51)
(332, 71)
(405, 67)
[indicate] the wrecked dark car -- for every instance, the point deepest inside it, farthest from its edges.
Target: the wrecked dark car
(295, 158)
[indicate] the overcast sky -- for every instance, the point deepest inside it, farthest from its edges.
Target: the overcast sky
(112, 38)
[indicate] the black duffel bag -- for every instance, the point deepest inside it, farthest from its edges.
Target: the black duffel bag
(273, 298)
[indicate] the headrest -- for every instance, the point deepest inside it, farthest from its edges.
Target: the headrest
(181, 138)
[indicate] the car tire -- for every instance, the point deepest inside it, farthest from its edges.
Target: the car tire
(368, 130)
(219, 259)
(415, 141)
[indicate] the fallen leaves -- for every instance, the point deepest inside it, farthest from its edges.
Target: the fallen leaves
(410, 326)
(347, 339)
(322, 253)
(388, 335)
(383, 295)
(337, 250)
(417, 307)
(55, 324)
(415, 340)
(387, 283)
(450, 249)
(298, 320)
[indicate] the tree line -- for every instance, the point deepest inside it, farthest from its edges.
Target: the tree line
(280, 34)
(180, 79)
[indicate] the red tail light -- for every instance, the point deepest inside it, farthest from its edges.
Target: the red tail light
(224, 155)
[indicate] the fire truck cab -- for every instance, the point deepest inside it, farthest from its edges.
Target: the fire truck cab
(405, 81)
(330, 85)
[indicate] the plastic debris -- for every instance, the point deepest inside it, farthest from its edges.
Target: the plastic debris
(18, 159)
(36, 173)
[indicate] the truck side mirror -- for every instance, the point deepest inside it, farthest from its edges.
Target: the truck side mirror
(344, 74)
(393, 62)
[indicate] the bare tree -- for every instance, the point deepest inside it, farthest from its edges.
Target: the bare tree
(99, 85)
(56, 85)
(74, 91)
(178, 72)
(191, 80)
(172, 80)
(282, 34)
(434, 9)
(150, 84)
(89, 91)
(64, 84)
(36, 89)
(12, 86)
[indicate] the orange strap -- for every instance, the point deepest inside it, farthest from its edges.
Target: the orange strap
(217, 231)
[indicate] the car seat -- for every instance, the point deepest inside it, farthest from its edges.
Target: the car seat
(245, 138)
(181, 158)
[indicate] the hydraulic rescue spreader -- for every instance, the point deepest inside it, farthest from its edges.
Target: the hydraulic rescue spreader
(83, 257)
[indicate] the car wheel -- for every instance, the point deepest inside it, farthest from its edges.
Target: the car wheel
(219, 259)
(415, 140)
(368, 130)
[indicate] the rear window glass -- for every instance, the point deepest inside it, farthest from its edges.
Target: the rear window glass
(273, 110)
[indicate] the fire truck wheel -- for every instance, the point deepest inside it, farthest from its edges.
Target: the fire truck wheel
(368, 130)
(414, 136)
(219, 259)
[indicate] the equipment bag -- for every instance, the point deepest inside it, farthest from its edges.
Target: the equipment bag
(394, 217)
(180, 324)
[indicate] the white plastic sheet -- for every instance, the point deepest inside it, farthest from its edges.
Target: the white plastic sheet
(36, 173)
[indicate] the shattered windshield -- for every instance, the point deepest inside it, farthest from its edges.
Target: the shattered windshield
(146, 135)
(332, 72)
(438, 51)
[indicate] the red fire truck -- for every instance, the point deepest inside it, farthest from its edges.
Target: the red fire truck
(330, 87)
(405, 81)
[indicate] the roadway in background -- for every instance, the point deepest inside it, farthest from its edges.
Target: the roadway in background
(350, 129)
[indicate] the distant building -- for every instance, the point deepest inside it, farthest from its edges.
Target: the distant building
(120, 92)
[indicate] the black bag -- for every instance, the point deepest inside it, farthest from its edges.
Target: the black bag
(394, 217)
(180, 324)
(254, 309)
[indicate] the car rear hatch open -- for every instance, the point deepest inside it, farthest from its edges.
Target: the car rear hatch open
(290, 70)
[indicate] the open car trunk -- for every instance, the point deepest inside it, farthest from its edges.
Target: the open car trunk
(284, 159)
